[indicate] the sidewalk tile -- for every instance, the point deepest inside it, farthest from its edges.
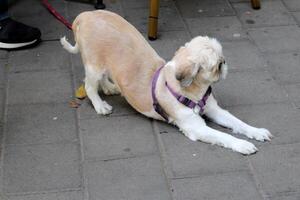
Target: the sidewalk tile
(169, 42)
(39, 87)
(115, 137)
(204, 8)
(277, 39)
(144, 3)
(285, 66)
(231, 186)
(135, 178)
(119, 104)
(281, 119)
(169, 19)
(293, 91)
(277, 169)
(253, 88)
(242, 55)
(292, 5)
(40, 59)
(261, 18)
(41, 167)
(73, 195)
(41, 123)
(186, 158)
(223, 28)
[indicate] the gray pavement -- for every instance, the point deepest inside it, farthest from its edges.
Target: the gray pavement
(50, 151)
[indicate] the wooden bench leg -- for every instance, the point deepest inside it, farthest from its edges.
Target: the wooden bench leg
(153, 19)
(255, 4)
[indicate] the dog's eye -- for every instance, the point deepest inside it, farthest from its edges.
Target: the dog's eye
(220, 66)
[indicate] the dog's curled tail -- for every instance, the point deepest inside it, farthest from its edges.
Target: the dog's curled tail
(68, 46)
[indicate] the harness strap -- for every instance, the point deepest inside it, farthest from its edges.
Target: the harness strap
(198, 107)
(156, 105)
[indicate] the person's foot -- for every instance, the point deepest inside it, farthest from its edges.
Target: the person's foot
(15, 35)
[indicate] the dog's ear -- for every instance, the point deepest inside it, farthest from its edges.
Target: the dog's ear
(185, 74)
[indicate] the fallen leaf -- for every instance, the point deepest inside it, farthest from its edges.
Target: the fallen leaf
(74, 104)
(80, 92)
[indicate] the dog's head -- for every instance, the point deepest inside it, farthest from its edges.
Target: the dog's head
(200, 60)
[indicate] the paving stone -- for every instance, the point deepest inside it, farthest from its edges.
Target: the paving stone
(39, 59)
(135, 178)
(3, 69)
(40, 123)
(78, 70)
(33, 8)
(293, 91)
(281, 119)
(297, 16)
(246, 88)
(285, 66)
(242, 55)
(117, 137)
(41, 167)
(292, 5)
(222, 28)
(74, 8)
(229, 186)
(286, 196)
(186, 158)
(261, 18)
(2, 104)
(204, 8)
(169, 18)
(277, 169)
(144, 3)
(3, 54)
(39, 87)
(169, 42)
(119, 104)
(72, 195)
(277, 39)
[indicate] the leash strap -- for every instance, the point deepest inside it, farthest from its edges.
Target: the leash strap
(56, 14)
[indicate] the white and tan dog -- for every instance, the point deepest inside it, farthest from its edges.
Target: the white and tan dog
(117, 58)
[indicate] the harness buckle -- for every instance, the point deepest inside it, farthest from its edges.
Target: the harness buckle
(197, 109)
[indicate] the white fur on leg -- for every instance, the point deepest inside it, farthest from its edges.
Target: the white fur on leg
(91, 87)
(224, 118)
(194, 127)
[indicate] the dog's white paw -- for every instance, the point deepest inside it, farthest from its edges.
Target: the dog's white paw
(260, 134)
(103, 108)
(243, 147)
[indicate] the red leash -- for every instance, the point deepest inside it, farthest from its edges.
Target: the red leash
(57, 15)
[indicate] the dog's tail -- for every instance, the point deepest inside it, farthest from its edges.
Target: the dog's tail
(68, 46)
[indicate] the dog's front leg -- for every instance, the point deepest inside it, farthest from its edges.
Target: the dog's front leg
(224, 118)
(194, 127)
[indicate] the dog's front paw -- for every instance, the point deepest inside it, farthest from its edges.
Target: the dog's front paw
(104, 108)
(244, 147)
(260, 134)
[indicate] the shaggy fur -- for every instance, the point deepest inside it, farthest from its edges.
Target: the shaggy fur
(117, 58)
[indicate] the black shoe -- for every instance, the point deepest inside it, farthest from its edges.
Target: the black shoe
(15, 35)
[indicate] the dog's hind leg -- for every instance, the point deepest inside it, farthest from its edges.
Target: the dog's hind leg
(226, 119)
(92, 80)
(108, 87)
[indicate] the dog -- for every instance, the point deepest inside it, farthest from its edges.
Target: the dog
(119, 60)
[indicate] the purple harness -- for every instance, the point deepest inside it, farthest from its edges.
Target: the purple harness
(198, 107)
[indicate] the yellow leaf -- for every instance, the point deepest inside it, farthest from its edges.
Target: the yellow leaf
(80, 92)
